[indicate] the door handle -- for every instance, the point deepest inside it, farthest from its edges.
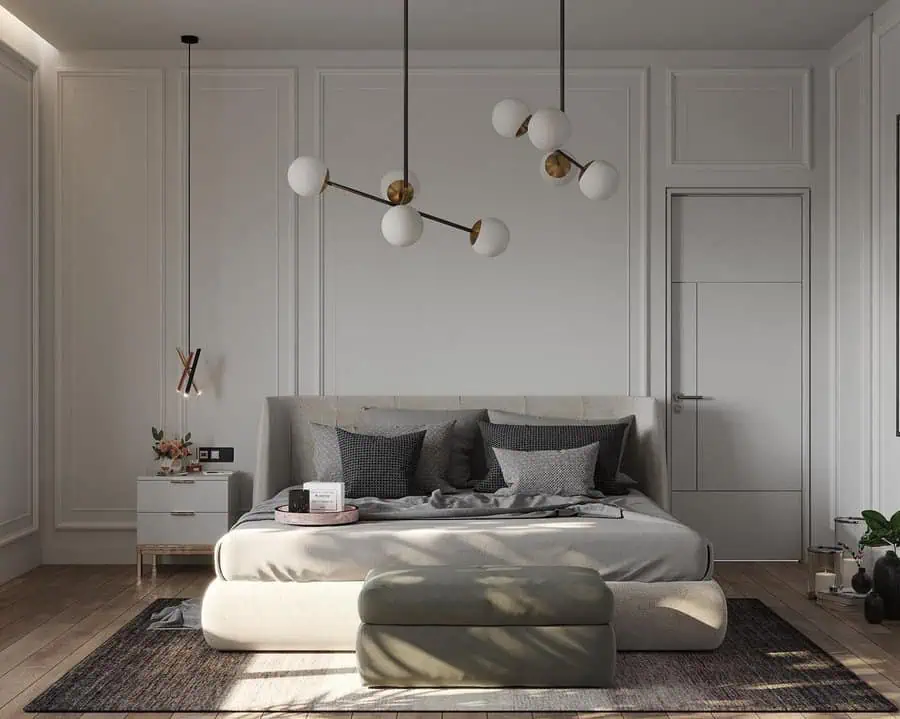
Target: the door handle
(678, 397)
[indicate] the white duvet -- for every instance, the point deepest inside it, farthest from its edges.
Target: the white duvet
(646, 545)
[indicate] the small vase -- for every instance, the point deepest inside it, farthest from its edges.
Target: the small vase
(861, 582)
(167, 465)
(874, 608)
(886, 583)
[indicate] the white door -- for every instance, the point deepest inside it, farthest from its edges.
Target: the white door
(737, 371)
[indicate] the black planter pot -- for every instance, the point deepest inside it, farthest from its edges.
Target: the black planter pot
(874, 608)
(886, 583)
(861, 582)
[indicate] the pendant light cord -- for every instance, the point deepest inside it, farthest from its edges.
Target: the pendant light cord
(405, 92)
(562, 55)
(188, 201)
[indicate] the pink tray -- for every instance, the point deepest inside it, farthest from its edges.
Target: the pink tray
(317, 519)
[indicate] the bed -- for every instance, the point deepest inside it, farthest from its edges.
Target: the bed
(295, 588)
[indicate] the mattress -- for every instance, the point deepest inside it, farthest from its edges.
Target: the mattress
(646, 545)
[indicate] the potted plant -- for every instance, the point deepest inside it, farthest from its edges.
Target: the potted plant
(883, 532)
(861, 582)
(170, 452)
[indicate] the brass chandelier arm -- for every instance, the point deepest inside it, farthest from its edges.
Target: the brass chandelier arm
(571, 159)
(562, 56)
(381, 201)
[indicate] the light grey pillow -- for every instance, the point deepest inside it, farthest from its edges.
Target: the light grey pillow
(434, 459)
(496, 416)
(555, 472)
(467, 460)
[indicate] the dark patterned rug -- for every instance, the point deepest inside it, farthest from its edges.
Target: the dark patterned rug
(764, 665)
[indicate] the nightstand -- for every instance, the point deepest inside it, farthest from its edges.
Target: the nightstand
(183, 514)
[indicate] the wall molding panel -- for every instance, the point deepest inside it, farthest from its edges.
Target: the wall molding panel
(742, 118)
(110, 267)
(21, 522)
(625, 89)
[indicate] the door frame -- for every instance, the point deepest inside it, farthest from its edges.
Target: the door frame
(804, 193)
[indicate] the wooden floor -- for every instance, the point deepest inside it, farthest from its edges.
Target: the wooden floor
(54, 616)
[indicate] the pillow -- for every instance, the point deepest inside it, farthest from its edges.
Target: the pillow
(556, 472)
(467, 459)
(497, 416)
(326, 453)
(381, 467)
(434, 461)
(529, 438)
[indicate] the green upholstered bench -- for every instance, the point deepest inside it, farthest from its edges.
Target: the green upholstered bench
(486, 627)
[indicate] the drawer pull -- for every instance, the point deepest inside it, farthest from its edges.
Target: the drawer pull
(182, 514)
(181, 481)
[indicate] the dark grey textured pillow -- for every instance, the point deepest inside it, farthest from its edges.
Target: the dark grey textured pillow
(434, 462)
(557, 472)
(381, 467)
(496, 416)
(530, 438)
(467, 460)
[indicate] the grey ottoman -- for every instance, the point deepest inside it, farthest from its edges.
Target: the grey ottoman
(486, 627)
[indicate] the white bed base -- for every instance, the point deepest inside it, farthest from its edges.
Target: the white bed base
(322, 616)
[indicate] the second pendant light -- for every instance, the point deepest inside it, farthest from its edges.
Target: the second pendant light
(549, 129)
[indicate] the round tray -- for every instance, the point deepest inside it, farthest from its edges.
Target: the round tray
(317, 519)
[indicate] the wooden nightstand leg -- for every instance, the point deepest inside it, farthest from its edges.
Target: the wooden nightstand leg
(153, 570)
(140, 566)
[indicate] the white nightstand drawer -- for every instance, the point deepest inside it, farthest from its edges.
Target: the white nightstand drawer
(168, 528)
(182, 494)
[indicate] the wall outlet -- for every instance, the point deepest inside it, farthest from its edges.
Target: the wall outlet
(215, 454)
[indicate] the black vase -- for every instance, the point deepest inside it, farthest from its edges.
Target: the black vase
(860, 582)
(886, 583)
(874, 608)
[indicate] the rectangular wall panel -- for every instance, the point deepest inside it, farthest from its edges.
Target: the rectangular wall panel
(553, 315)
(110, 259)
(243, 253)
(18, 478)
(754, 117)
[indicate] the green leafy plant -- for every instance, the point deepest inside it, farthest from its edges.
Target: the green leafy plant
(880, 531)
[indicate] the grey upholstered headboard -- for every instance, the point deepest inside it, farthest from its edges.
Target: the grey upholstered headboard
(284, 452)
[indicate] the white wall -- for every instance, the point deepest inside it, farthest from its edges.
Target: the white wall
(24, 60)
(287, 298)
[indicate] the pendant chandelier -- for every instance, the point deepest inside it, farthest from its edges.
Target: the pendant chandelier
(402, 224)
(190, 357)
(549, 129)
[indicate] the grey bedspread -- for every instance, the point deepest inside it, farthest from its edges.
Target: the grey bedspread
(467, 505)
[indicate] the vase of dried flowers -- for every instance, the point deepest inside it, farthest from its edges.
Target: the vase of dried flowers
(170, 451)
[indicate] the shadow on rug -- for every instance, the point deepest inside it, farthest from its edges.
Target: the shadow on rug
(764, 665)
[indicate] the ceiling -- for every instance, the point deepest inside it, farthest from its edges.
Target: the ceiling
(443, 24)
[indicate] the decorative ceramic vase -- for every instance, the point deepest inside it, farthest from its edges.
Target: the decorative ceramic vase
(874, 608)
(886, 583)
(167, 465)
(861, 582)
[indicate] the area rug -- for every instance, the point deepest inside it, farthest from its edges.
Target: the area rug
(764, 665)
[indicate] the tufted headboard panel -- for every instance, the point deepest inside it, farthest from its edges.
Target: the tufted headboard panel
(284, 452)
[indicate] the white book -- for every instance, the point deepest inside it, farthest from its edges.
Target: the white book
(843, 597)
(325, 496)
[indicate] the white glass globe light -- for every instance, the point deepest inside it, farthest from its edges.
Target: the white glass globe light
(599, 180)
(552, 164)
(402, 226)
(397, 176)
(509, 116)
(549, 129)
(307, 176)
(490, 237)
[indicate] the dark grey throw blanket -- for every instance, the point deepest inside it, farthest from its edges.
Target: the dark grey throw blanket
(466, 505)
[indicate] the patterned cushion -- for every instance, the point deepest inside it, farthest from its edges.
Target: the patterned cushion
(326, 453)
(497, 416)
(530, 438)
(561, 472)
(466, 461)
(381, 467)
(434, 461)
